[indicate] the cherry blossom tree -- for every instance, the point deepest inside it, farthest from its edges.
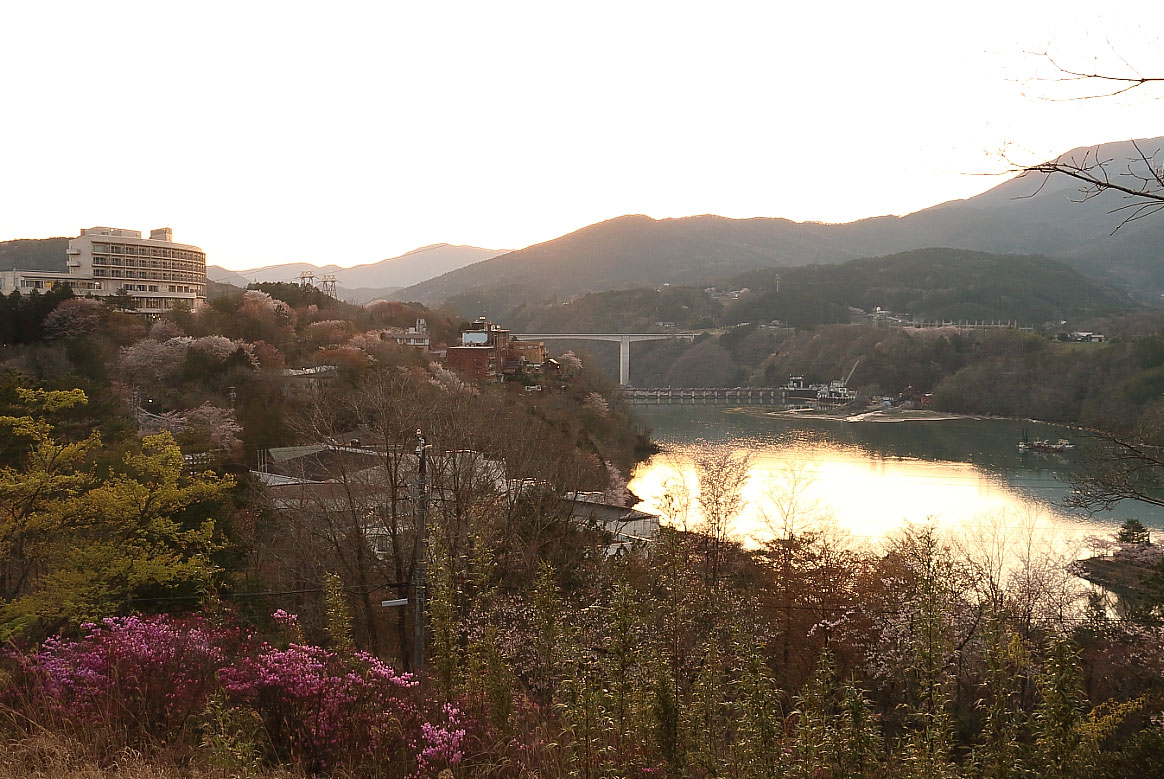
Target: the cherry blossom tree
(165, 329)
(217, 425)
(153, 363)
(75, 317)
(571, 363)
(596, 403)
(222, 348)
(447, 380)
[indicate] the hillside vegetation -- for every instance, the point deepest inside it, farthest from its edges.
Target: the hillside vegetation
(929, 284)
(34, 254)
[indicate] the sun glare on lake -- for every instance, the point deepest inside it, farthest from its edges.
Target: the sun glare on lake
(862, 496)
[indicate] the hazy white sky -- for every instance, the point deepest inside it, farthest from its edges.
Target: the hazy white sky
(348, 132)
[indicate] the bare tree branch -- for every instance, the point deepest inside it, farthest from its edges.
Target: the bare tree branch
(1118, 84)
(1117, 468)
(1139, 178)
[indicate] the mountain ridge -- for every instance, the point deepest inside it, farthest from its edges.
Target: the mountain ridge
(1021, 215)
(401, 271)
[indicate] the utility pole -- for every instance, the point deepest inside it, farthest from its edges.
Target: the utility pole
(418, 584)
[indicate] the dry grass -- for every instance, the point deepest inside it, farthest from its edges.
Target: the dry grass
(53, 756)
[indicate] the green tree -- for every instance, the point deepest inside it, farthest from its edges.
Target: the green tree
(1132, 531)
(1067, 737)
(80, 543)
(836, 732)
(122, 301)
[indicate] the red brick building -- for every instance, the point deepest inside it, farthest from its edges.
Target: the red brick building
(488, 351)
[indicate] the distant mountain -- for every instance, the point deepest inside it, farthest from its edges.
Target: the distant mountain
(46, 254)
(1026, 215)
(380, 278)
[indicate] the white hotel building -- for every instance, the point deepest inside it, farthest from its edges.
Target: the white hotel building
(157, 273)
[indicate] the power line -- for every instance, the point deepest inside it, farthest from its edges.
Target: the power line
(270, 593)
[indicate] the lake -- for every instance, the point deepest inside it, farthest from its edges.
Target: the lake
(868, 479)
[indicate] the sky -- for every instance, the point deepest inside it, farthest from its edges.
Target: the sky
(349, 132)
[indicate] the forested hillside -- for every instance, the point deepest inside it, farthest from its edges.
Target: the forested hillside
(929, 284)
(34, 254)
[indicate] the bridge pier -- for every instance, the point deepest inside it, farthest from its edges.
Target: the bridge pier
(624, 341)
(624, 361)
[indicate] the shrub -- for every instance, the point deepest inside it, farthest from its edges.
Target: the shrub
(140, 676)
(153, 680)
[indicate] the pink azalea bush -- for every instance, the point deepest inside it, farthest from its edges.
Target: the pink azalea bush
(132, 673)
(443, 742)
(148, 678)
(322, 709)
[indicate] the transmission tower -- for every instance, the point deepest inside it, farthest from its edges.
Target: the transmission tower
(329, 285)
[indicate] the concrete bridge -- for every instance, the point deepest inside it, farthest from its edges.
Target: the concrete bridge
(624, 340)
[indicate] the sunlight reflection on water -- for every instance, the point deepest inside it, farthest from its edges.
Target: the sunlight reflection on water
(864, 496)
